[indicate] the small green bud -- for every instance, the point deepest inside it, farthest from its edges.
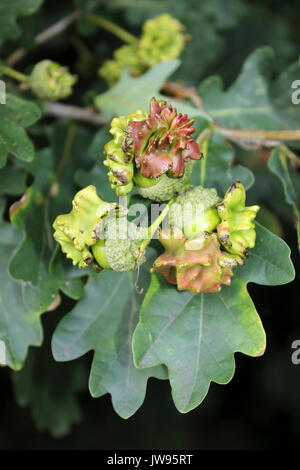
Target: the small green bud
(111, 71)
(127, 57)
(124, 58)
(162, 39)
(49, 80)
(236, 231)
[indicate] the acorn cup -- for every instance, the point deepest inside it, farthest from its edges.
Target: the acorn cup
(96, 233)
(237, 230)
(51, 81)
(154, 151)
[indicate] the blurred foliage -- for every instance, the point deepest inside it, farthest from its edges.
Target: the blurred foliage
(241, 57)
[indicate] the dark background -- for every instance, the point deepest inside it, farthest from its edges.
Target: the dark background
(260, 407)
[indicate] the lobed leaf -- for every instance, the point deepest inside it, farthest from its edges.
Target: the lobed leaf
(196, 336)
(104, 321)
(19, 327)
(291, 183)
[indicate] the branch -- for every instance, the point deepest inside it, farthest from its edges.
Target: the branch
(112, 28)
(73, 112)
(44, 36)
(258, 135)
(181, 91)
(20, 77)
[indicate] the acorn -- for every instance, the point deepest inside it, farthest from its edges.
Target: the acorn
(51, 81)
(237, 230)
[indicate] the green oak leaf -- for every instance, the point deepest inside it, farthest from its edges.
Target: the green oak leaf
(50, 194)
(71, 282)
(290, 179)
(216, 170)
(196, 336)
(104, 321)
(31, 259)
(132, 93)
(10, 11)
(281, 92)
(19, 328)
(16, 114)
(247, 103)
(97, 174)
(50, 390)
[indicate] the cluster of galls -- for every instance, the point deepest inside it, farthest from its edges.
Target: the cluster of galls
(96, 233)
(152, 151)
(162, 39)
(204, 237)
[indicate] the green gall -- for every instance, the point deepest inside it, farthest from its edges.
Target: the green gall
(194, 211)
(124, 58)
(197, 265)
(119, 159)
(111, 71)
(119, 249)
(76, 232)
(237, 230)
(51, 81)
(162, 39)
(154, 151)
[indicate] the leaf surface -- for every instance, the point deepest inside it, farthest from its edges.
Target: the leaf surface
(196, 336)
(290, 180)
(104, 321)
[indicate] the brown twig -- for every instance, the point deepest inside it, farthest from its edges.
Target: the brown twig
(181, 91)
(44, 36)
(259, 135)
(256, 136)
(73, 112)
